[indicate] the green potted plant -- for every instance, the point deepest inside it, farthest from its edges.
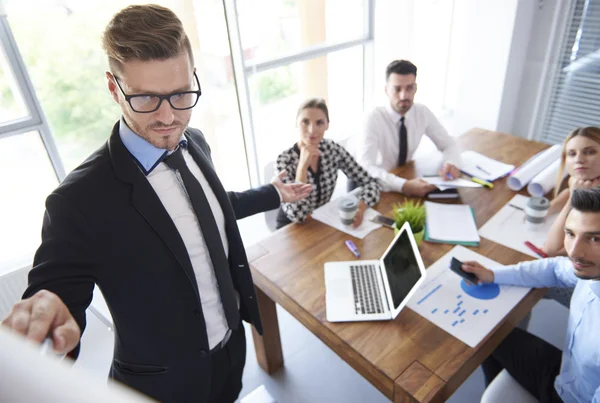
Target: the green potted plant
(412, 212)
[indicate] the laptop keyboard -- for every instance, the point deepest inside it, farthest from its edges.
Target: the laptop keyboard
(367, 298)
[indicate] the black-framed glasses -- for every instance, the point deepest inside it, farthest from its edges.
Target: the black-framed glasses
(147, 103)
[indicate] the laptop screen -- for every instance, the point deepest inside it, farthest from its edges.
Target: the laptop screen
(402, 269)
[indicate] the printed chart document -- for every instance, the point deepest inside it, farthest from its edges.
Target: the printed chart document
(468, 313)
(329, 214)
(450, 223)
(483, 167)
(442, 184)
(508, 227)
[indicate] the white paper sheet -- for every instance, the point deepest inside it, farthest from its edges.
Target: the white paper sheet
(534, 166)
(445, 301)
(28, 376)
(442, 184)
(545, 181)
(451, 222)
(483, 167)
(508, 227)
(328, 214)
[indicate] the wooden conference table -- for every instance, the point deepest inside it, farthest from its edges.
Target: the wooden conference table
(408, 359)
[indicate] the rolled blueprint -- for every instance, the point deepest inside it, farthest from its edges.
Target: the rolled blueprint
(544, 182)
(530, 169)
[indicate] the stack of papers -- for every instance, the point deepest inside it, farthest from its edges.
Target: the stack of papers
(450, 223)
(508, 227)
(442, 184)
(329, 214)
(483, 167)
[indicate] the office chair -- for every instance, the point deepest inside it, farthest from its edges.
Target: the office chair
(504, 388)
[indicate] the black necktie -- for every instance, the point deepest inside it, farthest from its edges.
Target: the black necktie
(210, 231)
(403, 143)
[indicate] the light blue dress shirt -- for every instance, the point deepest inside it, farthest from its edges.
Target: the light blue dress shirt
(145, 154)
(579, 378)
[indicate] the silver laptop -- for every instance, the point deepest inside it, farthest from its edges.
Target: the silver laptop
(375, 289)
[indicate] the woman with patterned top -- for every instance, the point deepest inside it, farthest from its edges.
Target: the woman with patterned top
(316, 160)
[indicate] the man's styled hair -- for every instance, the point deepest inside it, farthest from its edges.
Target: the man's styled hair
(318, 103)
(144, 32)
(402, 67)
(586, 200)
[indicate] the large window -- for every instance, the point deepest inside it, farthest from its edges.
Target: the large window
(61, 45)
(572, 99)
(286, 51)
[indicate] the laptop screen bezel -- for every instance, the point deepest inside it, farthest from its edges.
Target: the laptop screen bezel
(388, 292)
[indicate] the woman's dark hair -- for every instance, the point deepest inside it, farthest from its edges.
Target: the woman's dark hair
(402, 67)
(318, 103)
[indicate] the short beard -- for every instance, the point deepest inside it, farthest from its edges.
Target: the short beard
(165, 142)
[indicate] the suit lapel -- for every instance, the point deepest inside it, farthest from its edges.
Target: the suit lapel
(147, 203)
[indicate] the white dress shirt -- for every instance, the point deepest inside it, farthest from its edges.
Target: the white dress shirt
(170, 191)
(379, 144)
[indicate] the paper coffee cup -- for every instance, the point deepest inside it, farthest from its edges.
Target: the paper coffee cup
(536, 211)
(347, 208)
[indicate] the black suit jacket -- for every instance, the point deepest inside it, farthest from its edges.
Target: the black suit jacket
(105, 225)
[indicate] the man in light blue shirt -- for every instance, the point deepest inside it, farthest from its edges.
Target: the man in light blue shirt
(548, 374)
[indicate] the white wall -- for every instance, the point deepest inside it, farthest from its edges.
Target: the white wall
(481, 46)
(547, 24)
(471, 55)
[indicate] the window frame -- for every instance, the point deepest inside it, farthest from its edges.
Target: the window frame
(244, 69)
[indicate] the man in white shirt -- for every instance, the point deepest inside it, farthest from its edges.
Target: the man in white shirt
(393, 132)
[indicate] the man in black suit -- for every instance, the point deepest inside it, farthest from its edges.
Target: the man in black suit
(146, 219)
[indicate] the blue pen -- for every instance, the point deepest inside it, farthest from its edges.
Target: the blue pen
(482, 170)
(352, 248)
(449, 176)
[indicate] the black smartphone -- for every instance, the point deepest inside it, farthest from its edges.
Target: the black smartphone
(456, 267)
(383, 220)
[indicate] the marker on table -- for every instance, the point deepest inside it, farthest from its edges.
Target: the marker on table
(536, 250)
(352, 248)
(482, 182)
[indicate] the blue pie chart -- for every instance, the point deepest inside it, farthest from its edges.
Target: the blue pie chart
(483, 291)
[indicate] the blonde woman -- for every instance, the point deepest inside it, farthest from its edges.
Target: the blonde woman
(580, 159)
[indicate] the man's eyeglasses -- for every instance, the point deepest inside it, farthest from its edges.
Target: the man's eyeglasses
(146, 103)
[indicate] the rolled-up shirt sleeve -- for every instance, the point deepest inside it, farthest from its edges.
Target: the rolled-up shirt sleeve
(552, 272)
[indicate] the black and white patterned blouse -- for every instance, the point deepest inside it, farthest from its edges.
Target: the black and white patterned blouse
(333, 157)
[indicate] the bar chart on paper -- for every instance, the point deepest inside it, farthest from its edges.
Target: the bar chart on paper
(465, 311)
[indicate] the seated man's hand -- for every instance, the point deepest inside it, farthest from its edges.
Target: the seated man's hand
(485, 276)
(417, 188)
(45, 315)
(449, 171)
(290, 192)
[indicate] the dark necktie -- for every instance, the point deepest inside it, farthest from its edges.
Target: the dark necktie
(403, 143)
(210, 231)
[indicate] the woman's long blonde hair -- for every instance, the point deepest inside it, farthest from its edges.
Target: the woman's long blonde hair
(592, 133)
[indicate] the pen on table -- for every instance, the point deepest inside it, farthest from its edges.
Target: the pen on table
(482, 170)
(352, 248)
(536, 250)
(517, 207)
(482, 182)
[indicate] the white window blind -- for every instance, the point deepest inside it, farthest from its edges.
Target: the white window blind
(574, 96)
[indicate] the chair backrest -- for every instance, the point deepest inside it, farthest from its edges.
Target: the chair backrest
(12, 286)
(271, 215)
